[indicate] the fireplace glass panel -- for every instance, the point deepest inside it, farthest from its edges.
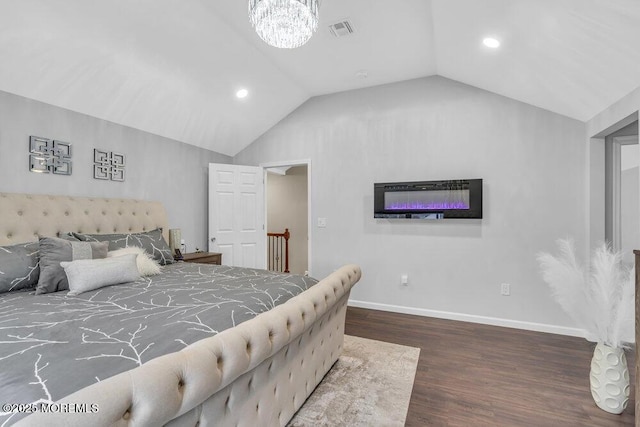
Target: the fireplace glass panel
(426, 200)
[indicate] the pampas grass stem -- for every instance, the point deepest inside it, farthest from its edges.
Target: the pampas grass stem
(599, 299)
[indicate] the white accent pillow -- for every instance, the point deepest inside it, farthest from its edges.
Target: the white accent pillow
(89, 274)
(147, 266)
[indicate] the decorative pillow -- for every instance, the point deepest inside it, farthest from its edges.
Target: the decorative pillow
(147, 266)
(54, 250)
(19, 267)
(89, 274)
(151, 241)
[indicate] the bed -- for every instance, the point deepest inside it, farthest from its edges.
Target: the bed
(257, 367)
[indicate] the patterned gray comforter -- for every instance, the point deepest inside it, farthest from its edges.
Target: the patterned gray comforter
(52, 345)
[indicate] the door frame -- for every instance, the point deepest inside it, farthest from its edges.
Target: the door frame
(291, 163)
(616, 170)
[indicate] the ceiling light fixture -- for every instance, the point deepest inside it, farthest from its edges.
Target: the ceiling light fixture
(285, 24)
(491, 42)
(242, 93)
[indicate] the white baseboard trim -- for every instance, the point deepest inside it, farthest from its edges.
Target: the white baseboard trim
(494, 321)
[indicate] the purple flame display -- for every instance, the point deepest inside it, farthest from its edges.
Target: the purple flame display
(401, 206)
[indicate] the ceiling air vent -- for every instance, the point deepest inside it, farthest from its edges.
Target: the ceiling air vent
(342, 28)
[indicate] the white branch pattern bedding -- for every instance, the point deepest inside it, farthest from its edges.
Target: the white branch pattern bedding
(52, 345)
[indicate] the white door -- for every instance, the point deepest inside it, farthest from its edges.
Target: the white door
(236, 214)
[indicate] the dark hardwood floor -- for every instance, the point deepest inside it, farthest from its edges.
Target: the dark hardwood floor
(478, 375)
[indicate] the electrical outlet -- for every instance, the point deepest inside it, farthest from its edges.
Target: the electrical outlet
(322, 222)
(505, 289)
(404, 279)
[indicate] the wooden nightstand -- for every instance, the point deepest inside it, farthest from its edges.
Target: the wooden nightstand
(203, 257)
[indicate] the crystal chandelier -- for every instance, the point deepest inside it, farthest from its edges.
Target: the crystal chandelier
(284, 23)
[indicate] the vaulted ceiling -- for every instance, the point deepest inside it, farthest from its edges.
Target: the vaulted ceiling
(173, 67)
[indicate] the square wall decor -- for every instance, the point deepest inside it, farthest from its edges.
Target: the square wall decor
(49, 156)
(108, 165)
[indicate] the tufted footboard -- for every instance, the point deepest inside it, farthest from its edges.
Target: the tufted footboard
(257, 373)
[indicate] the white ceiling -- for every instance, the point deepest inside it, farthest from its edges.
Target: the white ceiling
(172, 67)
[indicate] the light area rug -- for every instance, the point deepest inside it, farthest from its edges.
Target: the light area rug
(369, 385)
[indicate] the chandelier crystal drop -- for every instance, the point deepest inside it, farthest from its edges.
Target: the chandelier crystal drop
(285, 24)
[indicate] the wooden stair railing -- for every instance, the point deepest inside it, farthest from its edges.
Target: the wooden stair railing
(278, 251)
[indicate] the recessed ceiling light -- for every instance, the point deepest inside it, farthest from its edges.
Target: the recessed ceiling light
(242, 93)
(491, 42)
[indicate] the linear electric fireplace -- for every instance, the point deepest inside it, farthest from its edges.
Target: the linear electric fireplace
(460, 198)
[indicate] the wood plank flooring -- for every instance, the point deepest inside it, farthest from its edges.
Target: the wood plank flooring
(478, 375)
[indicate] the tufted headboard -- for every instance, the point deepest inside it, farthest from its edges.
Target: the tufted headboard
(24, 217)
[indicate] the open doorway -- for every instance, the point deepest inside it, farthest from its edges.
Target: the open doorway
(623, 191)
(287, 196)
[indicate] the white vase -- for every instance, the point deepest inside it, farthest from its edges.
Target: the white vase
(609, 378)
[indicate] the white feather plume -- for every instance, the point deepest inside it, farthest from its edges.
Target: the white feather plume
(600, 300)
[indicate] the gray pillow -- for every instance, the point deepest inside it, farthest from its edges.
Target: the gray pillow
(53, 251)
(151, 241)
(89, 274)
(19, 266)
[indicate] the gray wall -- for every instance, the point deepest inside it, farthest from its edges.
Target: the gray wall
(157, 168)
(533, 163)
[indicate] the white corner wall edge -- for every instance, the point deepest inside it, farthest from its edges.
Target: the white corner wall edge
(493, 321)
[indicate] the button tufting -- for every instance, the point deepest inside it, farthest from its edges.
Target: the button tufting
(19, 213)
(9, 235)
(45, 213)
(66, 213)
